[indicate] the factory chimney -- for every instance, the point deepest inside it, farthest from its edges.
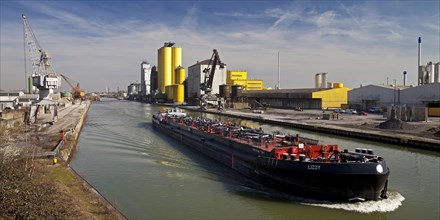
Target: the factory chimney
(419, 68)
(404, 78)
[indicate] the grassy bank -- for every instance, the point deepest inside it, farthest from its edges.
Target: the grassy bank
(36, 189)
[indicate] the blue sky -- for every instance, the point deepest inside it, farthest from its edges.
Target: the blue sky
(102, 43)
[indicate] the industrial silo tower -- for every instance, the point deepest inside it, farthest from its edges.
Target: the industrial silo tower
(169, 58)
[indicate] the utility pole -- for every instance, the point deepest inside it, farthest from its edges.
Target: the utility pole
(279, 75)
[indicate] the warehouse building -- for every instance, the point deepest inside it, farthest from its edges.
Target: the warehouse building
(241, 78)
(309, 98)
(426, 95)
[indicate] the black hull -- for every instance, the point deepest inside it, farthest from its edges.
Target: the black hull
(331, 181)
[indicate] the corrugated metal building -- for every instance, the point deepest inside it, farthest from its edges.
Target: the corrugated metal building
(196, 77)
(365, 97)
(369, 96)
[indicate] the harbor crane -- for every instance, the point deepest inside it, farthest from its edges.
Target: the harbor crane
(44, 77)
(206, 86)
(77, 92)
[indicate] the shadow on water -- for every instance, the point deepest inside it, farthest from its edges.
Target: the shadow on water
(240, 185)
(144, 125)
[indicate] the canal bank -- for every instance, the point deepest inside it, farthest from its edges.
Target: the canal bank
(357, 126)
(69, 124)
(48, 146)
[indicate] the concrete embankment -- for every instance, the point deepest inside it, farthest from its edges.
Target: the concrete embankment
(343, 128)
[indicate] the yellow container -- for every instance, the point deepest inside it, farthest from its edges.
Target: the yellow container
(338, 85)
(179, 75)
(176, 60)
(178, 90)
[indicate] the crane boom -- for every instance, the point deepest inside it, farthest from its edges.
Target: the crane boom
(33, 45)
(43, 73)
(78, 93)
(68, 81)
(209, 71)
(206, 86)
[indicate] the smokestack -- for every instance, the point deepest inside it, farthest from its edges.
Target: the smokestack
(420, 74)
(404, 78)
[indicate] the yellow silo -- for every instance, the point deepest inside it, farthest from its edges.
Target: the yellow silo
(176, 60)
(178, 90)
(167, 69)
(169, 92)
(160, 71)
(179, 76)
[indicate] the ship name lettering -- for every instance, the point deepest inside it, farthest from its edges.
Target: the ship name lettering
(313, 167)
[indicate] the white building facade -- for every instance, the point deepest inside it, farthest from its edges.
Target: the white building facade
(145, 79)
(196, 76)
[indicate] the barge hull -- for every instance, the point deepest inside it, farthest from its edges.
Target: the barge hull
(329, 182)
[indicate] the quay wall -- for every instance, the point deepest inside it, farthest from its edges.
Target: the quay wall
(416, 142)
(66, 153)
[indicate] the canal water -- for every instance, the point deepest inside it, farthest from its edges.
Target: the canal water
(148, 175)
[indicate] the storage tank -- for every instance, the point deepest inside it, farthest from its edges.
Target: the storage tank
(323, 80)
(237, 91)
(66, 94)
(224, 91)
(178, 93)
(318, 80)
(176, 61)
(179, 75)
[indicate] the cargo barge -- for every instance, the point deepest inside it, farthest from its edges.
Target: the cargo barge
(286, 163)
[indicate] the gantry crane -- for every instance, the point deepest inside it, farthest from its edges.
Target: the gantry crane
(206, 86)
(77, 92)
(44, 77)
